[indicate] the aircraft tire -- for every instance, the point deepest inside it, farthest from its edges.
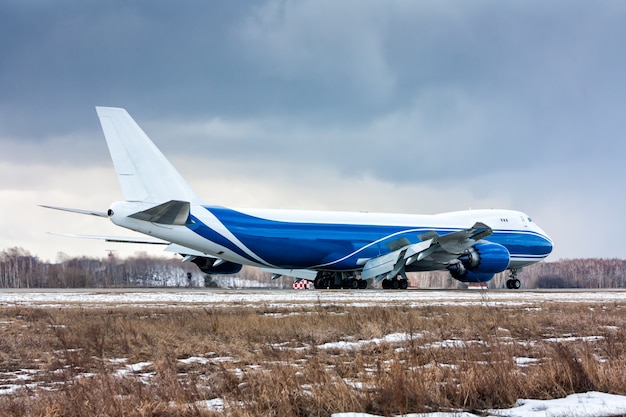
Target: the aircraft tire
(404, 284)
(395, 284)
(362, 284)
(321, 283)
(513, 284)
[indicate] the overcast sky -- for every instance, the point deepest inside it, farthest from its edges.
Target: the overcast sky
(397, 106)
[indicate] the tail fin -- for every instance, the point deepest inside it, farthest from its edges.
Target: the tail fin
(143, 171)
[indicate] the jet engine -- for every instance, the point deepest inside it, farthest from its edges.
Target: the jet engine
(480, 263)
(216, 266)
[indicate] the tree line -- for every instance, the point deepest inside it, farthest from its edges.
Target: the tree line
(20, 269)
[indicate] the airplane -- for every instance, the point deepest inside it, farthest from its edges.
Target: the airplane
(332, 249)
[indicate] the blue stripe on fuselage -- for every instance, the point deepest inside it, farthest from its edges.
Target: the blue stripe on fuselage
(522, 242)
(334, 246)
(206, 232)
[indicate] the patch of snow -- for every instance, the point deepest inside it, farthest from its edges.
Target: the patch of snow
(452, 343)
(216, 404)
(194, 359)
(9, 389)
(439, 414)
(590, 404)
(390, 338)
(132, 368)
(223, 359)
(521, 361)
(574, 339)
(613, 328)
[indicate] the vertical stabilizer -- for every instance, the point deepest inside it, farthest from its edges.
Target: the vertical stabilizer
(143, 171)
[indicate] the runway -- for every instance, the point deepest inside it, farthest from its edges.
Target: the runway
(193, 297)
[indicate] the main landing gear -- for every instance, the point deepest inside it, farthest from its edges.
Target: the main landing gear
(337, 280)
(513, 283)
(395, 284)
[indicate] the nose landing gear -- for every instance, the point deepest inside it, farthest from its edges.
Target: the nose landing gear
(513, 283)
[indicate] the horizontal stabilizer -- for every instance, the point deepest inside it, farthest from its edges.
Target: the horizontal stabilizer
(171, 213)
(73, 210)
(116, 239)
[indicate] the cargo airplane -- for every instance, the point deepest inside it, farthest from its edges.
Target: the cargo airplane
(332, 249)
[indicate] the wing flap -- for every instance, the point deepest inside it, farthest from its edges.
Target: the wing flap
(380, 265)
(393, 262)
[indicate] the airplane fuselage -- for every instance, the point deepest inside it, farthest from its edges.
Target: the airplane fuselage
(326, 240)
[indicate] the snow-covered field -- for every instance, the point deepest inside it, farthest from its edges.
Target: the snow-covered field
(592, 404)
(191, 297)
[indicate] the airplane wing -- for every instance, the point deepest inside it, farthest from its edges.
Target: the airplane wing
(307, 274)
(458, 242)
(441, 248)
(394, 263)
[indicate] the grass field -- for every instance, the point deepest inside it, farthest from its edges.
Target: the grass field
(304, 359)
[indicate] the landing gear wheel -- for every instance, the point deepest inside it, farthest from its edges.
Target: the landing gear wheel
(321, 283)
(513, 284)
(404, 284)
(386, 284)
(362, 284)
(354, 284)
(395, 284)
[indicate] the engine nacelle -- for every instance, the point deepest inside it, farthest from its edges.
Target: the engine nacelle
(214, 266)
(480, 263)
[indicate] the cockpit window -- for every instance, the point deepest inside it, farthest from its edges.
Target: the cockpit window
(530, 220)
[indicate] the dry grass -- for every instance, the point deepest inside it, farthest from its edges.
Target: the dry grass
(261, 361)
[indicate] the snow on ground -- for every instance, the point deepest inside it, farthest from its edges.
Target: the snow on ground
(390, 338)
(590, 404)
(190, 297)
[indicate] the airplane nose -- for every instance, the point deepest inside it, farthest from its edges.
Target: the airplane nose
(549, 245)
(546, 244)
